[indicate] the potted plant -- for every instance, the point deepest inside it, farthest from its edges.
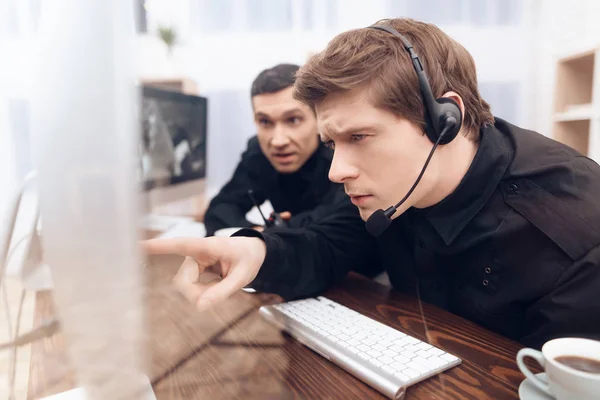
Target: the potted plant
(169, 37)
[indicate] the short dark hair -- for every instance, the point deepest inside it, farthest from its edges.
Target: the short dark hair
(274, 79)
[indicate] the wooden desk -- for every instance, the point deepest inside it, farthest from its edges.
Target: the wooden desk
(231, 352)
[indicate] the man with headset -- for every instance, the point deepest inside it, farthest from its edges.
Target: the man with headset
(495, 223)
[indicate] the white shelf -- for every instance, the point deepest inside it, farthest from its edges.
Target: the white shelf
(577, 101)
(580, 113)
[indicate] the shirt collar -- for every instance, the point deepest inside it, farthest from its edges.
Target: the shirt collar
(451, 215)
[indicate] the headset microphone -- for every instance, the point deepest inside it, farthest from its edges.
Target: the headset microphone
(380, 220)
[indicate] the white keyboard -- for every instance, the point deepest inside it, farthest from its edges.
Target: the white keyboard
(382, 357)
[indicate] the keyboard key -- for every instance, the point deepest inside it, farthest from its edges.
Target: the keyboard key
(398, 366)
(423, 353)
(353, 342)
(424, 346)
(448, 357)
(343, 336)
(411, 340)
(363, 347)
(389, 370)
(378, 347)
(402, 359)
(411, 373)
(396, 348)
(374, 353)
(424, 362)
(386, 359)
(408, 354)
(412, 348)
(376, 362)
(364, 356)
(434, 351)
(401, 376)
(437, 362)
(417, 367)
(390, 353)
(369, 342)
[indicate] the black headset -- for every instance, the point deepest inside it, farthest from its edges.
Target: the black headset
(439, 113)
(443, 120)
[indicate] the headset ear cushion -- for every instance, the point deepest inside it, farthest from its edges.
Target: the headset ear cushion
(446, 108)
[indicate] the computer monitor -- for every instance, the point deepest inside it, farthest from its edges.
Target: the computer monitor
(172, 145)
(85, 138)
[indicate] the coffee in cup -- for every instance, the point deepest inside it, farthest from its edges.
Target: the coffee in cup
(572, 368)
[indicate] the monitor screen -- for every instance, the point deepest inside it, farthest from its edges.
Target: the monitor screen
(173, 137)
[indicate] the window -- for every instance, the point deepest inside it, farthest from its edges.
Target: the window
(269, 15)
(141, 20)
(219, 16)
(471, 12)
(434, 11)
(212, 16)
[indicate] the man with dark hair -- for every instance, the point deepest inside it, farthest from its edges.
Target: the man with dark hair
(502, 227)
(284, 163)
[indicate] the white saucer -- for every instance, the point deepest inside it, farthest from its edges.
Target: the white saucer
(528, 391)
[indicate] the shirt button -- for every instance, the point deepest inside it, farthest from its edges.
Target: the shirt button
(488, 270)
(513, 189)
(485, 282)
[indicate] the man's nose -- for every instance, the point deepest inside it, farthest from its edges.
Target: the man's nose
(341, 169)
(280, 137)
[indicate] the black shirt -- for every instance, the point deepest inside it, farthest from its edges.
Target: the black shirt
(305, 193)
(515, 248)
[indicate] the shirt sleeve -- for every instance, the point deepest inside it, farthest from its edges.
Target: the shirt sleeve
(303, 262)
(230, 206)
(572, 308)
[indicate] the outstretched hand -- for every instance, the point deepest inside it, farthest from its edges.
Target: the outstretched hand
(236, 259)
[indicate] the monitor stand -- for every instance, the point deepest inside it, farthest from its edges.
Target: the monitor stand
(146, 393)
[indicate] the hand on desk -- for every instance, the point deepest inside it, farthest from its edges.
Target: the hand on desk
(236, 259)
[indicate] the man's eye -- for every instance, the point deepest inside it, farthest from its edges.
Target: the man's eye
(264, 122)
(295, 120)
(357, 138)
(329, 144)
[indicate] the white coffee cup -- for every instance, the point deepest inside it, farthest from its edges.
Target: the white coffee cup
(564, 383)
(226, 232)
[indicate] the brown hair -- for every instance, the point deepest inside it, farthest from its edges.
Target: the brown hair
(377, 60)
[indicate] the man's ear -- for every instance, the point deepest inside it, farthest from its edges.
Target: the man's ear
(456, 97)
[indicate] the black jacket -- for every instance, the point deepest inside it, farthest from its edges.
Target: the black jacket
(515, 248)
(305, 193)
